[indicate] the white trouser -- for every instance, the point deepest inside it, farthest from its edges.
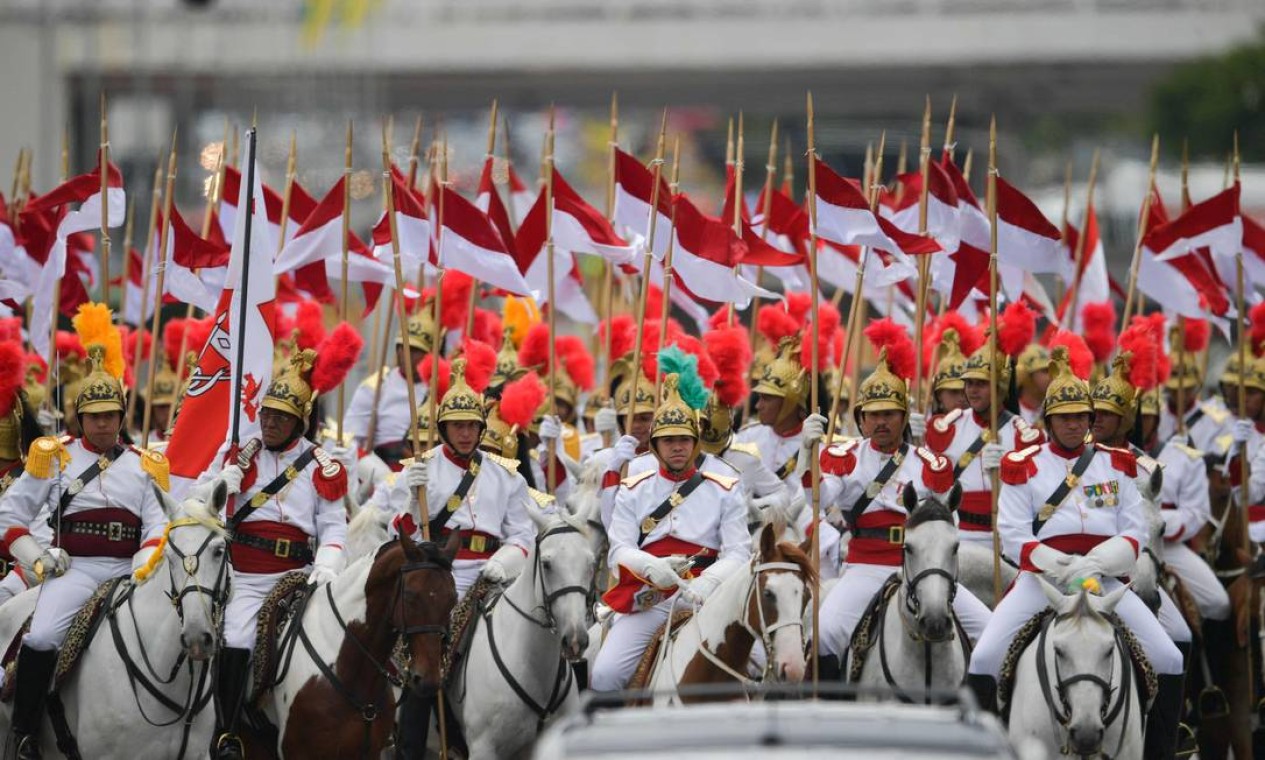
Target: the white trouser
(626, 641)
(12, 585)
(843, 608)
(976, 536)
(241, 614)
(1199, 579)
(1026, 599)
(1171, 620)
(465, 572)
(61, 598)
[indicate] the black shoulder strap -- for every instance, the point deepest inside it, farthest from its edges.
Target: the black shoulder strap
(273, 488)
(673, 501)
(87, 476)
(438, 522)
(1195, 417)
(977, 445)
(788, 467)
(1053, 503)
(878, 484)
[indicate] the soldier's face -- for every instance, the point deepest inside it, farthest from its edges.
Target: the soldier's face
(1107, 427)
(1254, 401)
(1147, 423)
(565, 411)
(884, 428)
(640, 428)
(463, 436)
(977, 395)
(276, 427)
(951, 398)
(1041, 379)
(1068, 430)
(161, 418)
(675, 450)
(767, 408)
(102, 428)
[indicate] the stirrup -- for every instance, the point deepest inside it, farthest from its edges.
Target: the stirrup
(27, 747)
(228, 746)
(1213, 703)
(1187, 741)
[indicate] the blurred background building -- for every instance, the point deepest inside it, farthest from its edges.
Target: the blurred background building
(1063, 77)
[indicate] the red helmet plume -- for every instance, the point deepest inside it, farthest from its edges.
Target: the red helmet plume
(1098, 323)
(885, 333)
(521, 399)
(335, 357)
(1016, 328)
(309, 320)
(1079, 357)
(480, 363)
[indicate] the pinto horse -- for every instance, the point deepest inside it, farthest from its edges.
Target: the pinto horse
(758, 610)
(334, 695)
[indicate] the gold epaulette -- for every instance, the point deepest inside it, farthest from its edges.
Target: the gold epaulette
(506, 462)
(372, 380)
(405, 462)
(157, 465)
(721, 480)
(750, 449)
(633, 480)
(1189, 451)
(946, 420)
(430, 453)
(1216, 412)
(39, 458)
(542, 499)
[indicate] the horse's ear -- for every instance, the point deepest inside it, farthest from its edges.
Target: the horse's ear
(909, 497)
(1056, 598)
(539, 518)
(452, 545)
(1157, 483)
(768, 541)
(1108, 603)
(219, 497)
(955, 497)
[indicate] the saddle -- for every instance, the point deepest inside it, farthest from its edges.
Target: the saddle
(1147, 683)
(482, 594)
(645, 666)
(78, 636)
(865, 635)
(279, 607)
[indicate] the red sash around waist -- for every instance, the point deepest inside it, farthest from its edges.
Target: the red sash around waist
(873, 550)
(249, 559)
(108, 532)
(633, 594)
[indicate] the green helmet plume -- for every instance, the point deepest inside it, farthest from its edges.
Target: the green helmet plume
(689, 384)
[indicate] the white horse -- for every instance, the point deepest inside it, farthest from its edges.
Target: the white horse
(142, 687)
(758, 610)
(1147, 574)
(516, 674)
(1074, 693)
(917, 648)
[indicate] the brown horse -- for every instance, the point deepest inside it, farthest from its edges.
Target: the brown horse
(335, 697)
(762, 603)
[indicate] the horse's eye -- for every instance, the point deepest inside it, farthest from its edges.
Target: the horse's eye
(769, 595)
(909, 549)
(219, 552)
(546, 565)
(1059, 651)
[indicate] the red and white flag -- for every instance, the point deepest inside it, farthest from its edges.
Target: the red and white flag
(1214, 227)
(844, 216)
(210, 408)
(530, 248)
(1026, 240)
(706, 254)
(412, 229)
(488, 200)
(1253, 252)
(196, 268)
(958, 273)
(580, 228)
(316, 250)
(1094, 286)
(944, 221)
(634, 185)
(470, 242)
(1185, 283)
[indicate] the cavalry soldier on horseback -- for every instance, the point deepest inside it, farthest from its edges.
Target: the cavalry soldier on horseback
(1207, 423)
(288, 514)
(1032, 378)
(964, 438)
(948, 389)
(106, 514)
(675, 528)
(864, 480)
(1070, 512)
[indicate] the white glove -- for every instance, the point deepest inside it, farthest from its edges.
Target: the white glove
(917, 424)
(26, 550)
(416, 475)
(622, 452)
(990, 456)
(232, 476)
(1242, 431)
(1113, 557)
(1080, 568)
(659, 573)
(689, 594)
(777, 502)
(550, 428)
(505, 565)
(54, 562)
(814, 430)
(139, 560)
(47, 419)
(1053, 563)
(345, 455)
(327, 565)
(606, 421)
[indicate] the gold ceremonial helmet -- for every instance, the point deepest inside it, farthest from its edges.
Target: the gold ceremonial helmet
(978, 367)
(1230, 375)
(717, 434)
(507, 367)
(1067, 394)
(1150, 404)
(421, 328)
(290, 391)
(11, 433)
(564, 388)
(644, 400)
(499, 437)
(1033, 359)
(595, 401)
(33, 388)
(1186, 370)
(1114, 393)
(674, 417)
(785, 378)
(883, 390)
(99, 391)
(421, 429)
(950, 362)
(461, 403)
(166, 386)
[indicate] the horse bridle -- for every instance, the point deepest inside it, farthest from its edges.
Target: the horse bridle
(1061, 713)
(189, 563)
(765, 634)
(549, 597)
(913, 605)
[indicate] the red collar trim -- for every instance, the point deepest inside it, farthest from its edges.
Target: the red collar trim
(979, 419)
(460, 461)
(875, 447)
(1055, 448)
(678, 477)
(790, 433)
(279, 452)
(83, 440)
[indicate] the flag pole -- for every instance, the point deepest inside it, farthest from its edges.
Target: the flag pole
(1067, 205)
(1244, 465)
(437, 337)
(644, 295)
(866, 179)
(608, 270)
(252, 137)
(546, 169)
(105, 205)
(1079, 258)
(739, 160)
(52, 335)
(1181, 320)
(159, 286)
(474, 282)
(924, 262)
(667, 263)
(770, 173)
(1142, 226)
(342, 302)
(146, 273)
(991, 203)
(814, 401)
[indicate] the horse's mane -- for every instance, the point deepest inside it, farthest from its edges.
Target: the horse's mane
(929, 510)
(796, 556)
(204, 515)
(431, 551)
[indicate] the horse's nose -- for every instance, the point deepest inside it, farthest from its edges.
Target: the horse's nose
(423, 687)
(1086, 740)
(934, 626)
(200, 646)
(1152, 601)
(574, 644)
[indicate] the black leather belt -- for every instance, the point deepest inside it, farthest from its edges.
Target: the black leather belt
(110, 531)
(284, 548)
(893, 534)
(478, 543)
(973, 519)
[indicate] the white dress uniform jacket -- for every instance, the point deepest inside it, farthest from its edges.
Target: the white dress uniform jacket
(393, 410)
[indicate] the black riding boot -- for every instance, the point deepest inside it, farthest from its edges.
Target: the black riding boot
(35, 670)
(580, 669)
(830, 676)
(412, 725)
(985, 690)
(231, 680)
(1163, 721)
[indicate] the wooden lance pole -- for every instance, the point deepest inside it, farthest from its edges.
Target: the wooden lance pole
(992, 340)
